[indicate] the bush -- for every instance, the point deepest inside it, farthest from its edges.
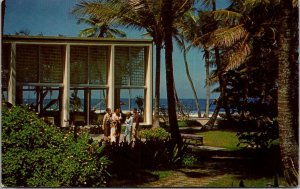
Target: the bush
(188, 123)
(37, 155)
(155, 133)
(188, 160)
(129, 158)
(266, 131)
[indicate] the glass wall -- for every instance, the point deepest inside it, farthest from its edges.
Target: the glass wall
(77, 79)
(6, 52)
(88, 65)
(130, 66)
(39, 63)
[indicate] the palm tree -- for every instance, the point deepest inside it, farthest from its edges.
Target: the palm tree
(248, 24)
(3, 6)
(168, 19)
(207, 83)
(176, 9)
(99, 29)
(186, 27)
(288, 144)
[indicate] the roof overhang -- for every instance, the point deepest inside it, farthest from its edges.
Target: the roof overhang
(71, 40)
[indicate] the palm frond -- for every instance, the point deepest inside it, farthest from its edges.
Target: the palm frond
(213, 77)
(250, 4)
(230, 17)
(238, 56)
(207, 3)
(224, 37)
(295, 3)
(88, 32)
(118, 32)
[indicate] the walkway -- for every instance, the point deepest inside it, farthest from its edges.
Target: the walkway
(185, 178)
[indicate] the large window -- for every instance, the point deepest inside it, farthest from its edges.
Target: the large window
(88, 65)
(39, 63)
(130, 66)
(6, 53)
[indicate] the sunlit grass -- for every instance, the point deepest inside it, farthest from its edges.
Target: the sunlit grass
(233, 181)
(224, 139)
(162, 174)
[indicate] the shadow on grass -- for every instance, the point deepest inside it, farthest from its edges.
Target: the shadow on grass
(195, 173)
(139, 178)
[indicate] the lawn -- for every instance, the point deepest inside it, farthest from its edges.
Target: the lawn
(224, 139)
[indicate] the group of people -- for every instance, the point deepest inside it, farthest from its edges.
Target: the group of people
(112, 125)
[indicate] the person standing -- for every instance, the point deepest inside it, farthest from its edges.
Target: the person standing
(128, 131)
(107, 120)
(135, 125)
(113, 132)
(116, 117)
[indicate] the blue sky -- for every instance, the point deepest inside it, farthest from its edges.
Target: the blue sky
(52, 17)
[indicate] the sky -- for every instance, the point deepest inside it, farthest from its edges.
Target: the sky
(53, 18)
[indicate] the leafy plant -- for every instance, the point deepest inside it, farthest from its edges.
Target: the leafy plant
(262, 137)
(37, 155)
(154, 133)
(189, 160)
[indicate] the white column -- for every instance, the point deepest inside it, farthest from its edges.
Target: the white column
(149, 86)
(11, 90)
(111, 79)
(65, 114)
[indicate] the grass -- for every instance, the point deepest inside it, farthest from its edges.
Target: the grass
(233, 181)
(188, 123)
(162, 174)
(224, 139)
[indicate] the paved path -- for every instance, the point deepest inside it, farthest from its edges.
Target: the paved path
(185, 178)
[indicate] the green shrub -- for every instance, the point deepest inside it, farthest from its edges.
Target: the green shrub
(37, 155)
(188, 123)
(154, 133)
(264, 135)
(189, 160)
(129, 158)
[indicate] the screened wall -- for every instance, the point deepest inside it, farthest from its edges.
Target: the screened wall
(75, 79)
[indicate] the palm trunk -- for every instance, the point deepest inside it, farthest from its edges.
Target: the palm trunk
(157, 84)
(214, 116)
(206, 53)
(3, 6)
(178, 104)
(288, 143)
(295, 70)
(167, 18)
(191, 81)
(221, 81)
(223, 96)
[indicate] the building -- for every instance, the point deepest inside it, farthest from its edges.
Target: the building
(72, 79)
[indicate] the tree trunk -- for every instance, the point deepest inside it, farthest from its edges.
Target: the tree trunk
(214, 116)
(167, 19)
(219, 72)
(191, 81)
(288, 143)
(3, 6)
(295, 69)
(178, 104)
(157, 84)
(206, 54)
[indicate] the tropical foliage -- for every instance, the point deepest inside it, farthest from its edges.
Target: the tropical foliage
(246, 24)
(35, 154)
